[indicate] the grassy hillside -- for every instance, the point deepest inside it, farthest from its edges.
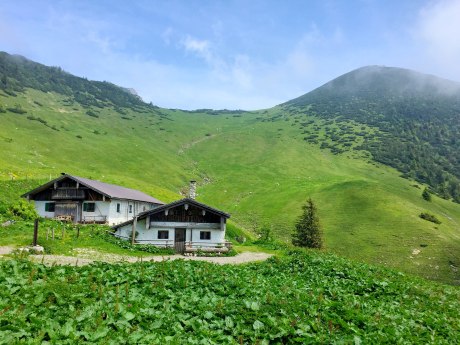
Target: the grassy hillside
(255, 165)
(415, 117)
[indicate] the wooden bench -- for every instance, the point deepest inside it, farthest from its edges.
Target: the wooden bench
(64, 218)
(206, 250)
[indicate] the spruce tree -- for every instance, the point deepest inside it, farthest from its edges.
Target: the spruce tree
(426, 195)
(308, 231)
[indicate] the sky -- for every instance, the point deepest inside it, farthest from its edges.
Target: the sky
(231, 54)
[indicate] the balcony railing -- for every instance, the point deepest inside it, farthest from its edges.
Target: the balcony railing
(67, 194)
(94, 219)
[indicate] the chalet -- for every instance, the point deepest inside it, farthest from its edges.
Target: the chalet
(186, 225)
(88, 201)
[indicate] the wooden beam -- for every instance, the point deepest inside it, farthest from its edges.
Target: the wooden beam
(222, 223)
(216, 226)
(133, 232)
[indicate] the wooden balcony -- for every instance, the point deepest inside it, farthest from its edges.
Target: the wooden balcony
(67, 194)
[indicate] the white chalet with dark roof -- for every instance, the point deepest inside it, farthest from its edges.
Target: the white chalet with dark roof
(185, 225)
(88, 201)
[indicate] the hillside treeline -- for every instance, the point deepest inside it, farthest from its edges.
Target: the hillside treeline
(17, 73)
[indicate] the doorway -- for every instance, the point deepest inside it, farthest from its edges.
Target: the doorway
(179, 240)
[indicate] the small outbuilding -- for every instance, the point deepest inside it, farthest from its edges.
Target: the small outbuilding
(82, 200)
(185, 225)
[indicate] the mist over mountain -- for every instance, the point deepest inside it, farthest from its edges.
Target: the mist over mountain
(417, 117)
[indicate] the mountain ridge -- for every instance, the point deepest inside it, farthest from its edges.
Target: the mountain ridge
(417, 117)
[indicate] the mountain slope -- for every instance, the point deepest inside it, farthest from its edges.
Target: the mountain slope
(255, 165)
(417, 117)
(17, 73)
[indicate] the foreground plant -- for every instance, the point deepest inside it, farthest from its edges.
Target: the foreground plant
(302, 298)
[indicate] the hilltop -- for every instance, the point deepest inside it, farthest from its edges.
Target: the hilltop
(416, 117)
(259, 166)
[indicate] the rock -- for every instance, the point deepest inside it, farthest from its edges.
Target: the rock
(32, 249)
(8, 223)
(37, 249)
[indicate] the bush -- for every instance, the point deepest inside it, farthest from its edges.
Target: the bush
(430, 217)
(108, 237)
(91, 113)
(22, 209)
(426, 195)
(17, 109)
(264, 233)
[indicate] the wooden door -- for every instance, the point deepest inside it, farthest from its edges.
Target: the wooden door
(179, 240)
(67, 209)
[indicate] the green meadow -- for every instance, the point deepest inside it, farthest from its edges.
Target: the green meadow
(255, 165)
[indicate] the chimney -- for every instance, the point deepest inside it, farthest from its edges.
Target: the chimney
(192, 190)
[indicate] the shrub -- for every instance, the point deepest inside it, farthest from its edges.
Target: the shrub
(426, 195)
(430, 217)
(22, 209)
(17, 109)
(264, 233)
(91, 113)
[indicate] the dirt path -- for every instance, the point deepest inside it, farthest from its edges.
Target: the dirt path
(6, 250)
(83, 256)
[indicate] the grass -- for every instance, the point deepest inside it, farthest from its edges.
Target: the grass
(20, 234)
(256, 166)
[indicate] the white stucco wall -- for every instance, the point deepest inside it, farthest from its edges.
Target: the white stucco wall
(40, 207)
(115, 217)
(192, 234)
(101, 210)
(217, 237)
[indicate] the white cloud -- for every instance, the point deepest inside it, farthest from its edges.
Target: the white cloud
(437, 30)
(200, 47)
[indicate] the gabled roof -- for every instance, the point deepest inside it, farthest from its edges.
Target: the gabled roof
(109, 190)
(171, 205)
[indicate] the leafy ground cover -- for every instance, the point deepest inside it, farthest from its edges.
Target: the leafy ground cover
(302, 298)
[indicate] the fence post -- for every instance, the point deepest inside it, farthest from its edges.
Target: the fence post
(35, 232)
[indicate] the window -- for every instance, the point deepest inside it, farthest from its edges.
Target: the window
(205, 235)
(130, 208)
(163, 234)
(49, 207)
(89, 206)
(118, 207)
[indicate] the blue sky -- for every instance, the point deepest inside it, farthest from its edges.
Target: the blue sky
(231, 54)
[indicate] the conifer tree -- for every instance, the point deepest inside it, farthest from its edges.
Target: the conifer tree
(308, 231)
(426, 195)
